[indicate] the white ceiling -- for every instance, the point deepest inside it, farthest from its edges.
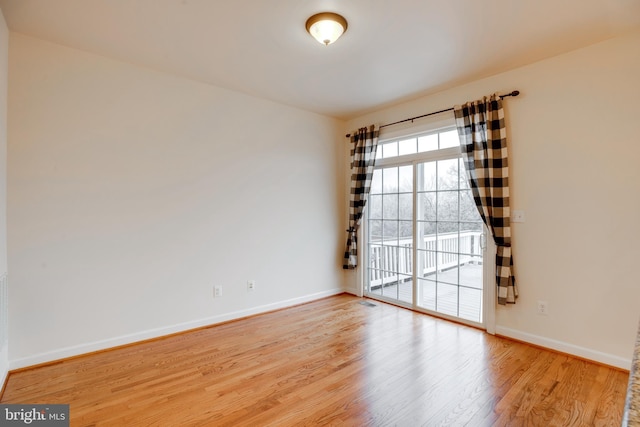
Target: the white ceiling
(392, 51)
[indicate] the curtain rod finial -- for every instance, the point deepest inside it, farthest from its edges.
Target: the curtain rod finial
(512, 93)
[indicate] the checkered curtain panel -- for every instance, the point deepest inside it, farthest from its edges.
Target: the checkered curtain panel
(363, 157)
(484, 148)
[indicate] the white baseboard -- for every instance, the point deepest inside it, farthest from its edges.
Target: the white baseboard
(563, 347)
(77, 350)
(351, 291)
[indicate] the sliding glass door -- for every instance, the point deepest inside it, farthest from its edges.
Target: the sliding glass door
(424, 235)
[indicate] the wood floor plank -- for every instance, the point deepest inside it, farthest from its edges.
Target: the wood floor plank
(329, 362)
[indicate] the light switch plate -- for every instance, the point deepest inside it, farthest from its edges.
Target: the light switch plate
(517, 216)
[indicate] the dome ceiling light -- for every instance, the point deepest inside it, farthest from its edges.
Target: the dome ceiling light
(326, 27)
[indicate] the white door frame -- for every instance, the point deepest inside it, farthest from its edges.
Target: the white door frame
(489, 254)
(489, 285)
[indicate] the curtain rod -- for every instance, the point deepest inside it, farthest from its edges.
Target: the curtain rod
(514, 93)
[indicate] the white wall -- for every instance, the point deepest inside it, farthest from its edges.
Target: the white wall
(4, 68)
(574, 150)
(132, 193)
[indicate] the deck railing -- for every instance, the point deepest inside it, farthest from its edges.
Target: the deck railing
(390, 258)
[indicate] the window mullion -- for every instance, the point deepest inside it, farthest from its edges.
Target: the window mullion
(415, 264)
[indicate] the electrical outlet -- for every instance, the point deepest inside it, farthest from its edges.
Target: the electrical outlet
(217, 291)
(251, 285)
(543, 308)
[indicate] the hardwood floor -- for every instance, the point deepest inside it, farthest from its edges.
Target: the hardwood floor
(329, 362)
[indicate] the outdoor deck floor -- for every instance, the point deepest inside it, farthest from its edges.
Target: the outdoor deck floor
(440, 293)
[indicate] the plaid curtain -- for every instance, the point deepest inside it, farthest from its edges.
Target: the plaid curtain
(484, 148)
(363, 157)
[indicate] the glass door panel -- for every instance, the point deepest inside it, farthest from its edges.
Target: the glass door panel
(449, 232)
(390, 234)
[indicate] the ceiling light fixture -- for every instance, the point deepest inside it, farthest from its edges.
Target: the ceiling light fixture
(326, 27)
